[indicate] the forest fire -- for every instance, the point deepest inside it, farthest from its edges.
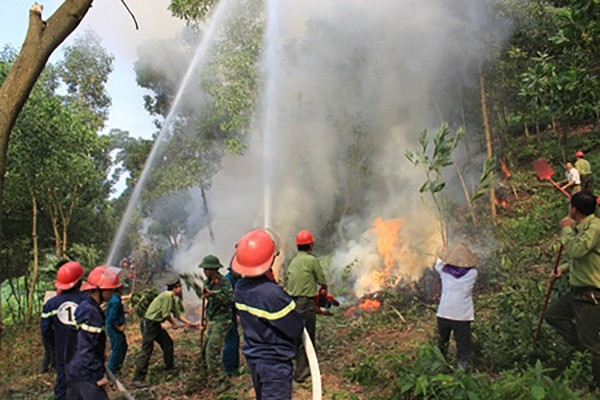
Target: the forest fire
(506, 175)
(501, 196)
(387, 242)
(369, 305)
(365, 305)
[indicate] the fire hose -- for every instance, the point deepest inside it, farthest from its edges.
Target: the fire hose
(118, 384)
(313, 363)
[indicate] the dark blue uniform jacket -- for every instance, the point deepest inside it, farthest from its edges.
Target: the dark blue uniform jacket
(58, 323)
(115, 315)
(272, 326)
(87, 364)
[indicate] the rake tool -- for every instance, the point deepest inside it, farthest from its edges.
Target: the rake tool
(545, 172)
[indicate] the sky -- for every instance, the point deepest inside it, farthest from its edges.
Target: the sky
(111, 21)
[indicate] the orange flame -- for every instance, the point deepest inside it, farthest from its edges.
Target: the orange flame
(387, 242)
(369, 305)
(501, 202)
(506, 175)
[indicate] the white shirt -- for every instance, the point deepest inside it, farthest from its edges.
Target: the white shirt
(456, 302)
(573, 175)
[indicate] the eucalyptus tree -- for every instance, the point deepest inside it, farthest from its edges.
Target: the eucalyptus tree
(218, 119)
(84, 71)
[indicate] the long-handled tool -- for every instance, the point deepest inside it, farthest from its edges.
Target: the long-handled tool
(544, 171)
(550, 285)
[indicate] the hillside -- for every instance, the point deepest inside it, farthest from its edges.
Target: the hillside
(388, 353)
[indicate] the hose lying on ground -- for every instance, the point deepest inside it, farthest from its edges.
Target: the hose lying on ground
(313, 363)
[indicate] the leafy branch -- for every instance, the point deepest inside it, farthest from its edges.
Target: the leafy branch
(443, 146)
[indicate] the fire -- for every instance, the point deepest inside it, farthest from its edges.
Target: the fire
(387, 243)
(506, 175)
(502, 203)
(369, 305)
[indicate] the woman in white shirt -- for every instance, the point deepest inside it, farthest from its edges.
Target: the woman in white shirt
(456, 266)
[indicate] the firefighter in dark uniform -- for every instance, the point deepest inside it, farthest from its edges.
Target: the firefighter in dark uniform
(272, 327)
(164, 307)
(219, 294)
(58, 323)
(304, 274)
(85, 370)
(231, 351)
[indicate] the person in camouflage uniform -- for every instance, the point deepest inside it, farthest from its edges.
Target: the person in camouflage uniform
(219, 295)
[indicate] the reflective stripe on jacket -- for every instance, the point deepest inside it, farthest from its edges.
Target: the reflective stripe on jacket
(272, 327)
(87, 363)
(57, 324)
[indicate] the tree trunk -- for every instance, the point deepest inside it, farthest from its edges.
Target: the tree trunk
(42, 38)
(488, 138)
(34, 274)
(211, 233)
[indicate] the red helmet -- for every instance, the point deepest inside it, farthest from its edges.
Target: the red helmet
(304, 237)
(254, 253)
(68, 275)
(579, 154)
(102, 277)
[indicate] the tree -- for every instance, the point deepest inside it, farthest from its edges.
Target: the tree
(85, 70)
(42, 38)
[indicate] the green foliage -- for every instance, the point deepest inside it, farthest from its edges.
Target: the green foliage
(85, 70)
(486, 180)
(193, 11)
(443, 146)
(141, 300)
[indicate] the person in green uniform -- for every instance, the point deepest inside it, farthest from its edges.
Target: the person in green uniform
(304, 275)
(165, 307)
(576, 315)
(219, 302)
(585, 171)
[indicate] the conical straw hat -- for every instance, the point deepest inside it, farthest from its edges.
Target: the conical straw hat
(458, 255)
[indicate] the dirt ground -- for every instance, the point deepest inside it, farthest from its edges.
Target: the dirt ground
(337, 345)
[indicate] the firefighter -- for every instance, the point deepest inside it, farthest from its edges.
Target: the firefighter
(86, 373)
(164, 307)
(58, 323)
(304, 275)
(585, 171)
(576, 314)
(115, 328)
(219, 294)
(271, 325)
(231, 351)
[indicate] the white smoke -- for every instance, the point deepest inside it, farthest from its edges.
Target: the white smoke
(386, 63)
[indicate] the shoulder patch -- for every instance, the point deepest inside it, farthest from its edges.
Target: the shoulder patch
(66, 313)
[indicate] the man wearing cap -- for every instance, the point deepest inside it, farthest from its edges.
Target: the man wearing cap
(304, 275)
(85, 370)
(219, 294)
(455, 311)
(576, 315)
(58, 322)
(585, 171)
(272, 327)
(164, 307)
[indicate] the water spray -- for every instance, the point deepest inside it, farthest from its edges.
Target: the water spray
(200, 53)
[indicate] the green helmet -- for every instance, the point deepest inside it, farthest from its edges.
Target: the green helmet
(210, 262)
(173, 281)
